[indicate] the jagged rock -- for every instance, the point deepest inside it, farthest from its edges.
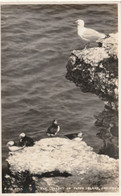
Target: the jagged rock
(63, 165)
(96, 70)
(111, 45)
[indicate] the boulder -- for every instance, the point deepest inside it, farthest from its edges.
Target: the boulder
(62, 165)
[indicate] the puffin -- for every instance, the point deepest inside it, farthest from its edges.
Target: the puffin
(53, 129)
(12, 146)
(79, 137)
(25, 140)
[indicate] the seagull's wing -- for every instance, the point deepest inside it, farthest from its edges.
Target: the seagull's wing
(92, 35)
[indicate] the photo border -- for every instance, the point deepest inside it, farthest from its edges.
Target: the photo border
(26, 2)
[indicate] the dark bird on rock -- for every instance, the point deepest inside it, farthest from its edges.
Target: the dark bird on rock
(53, 129)
(25, 140)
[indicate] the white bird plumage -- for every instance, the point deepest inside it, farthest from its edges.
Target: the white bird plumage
(87, 34)
(11, 146)
(80, 134)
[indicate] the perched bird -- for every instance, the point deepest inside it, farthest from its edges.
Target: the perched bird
(79, 137)
(10, 143)
(53, 129)
(12, 147)
(25, 140)
(87, 34)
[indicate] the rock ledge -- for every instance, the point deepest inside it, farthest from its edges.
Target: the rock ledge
(95, 70)
(60, 162)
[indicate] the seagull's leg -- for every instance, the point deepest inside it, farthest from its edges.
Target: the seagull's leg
(86, 46)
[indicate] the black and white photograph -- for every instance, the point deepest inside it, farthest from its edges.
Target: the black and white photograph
(59, 98)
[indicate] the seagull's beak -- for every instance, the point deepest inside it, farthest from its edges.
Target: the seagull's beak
(76, 21)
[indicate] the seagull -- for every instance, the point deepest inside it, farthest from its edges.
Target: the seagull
(87, 34)
(53, 129)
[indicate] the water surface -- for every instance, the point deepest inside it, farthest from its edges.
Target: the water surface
(36, 43)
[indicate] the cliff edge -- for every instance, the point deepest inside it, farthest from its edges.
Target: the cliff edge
(64, 165)
(95, 70)
(60, 165)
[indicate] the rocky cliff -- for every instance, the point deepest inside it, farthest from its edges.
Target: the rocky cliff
(60, 165)
(95, 70)
(70, 165)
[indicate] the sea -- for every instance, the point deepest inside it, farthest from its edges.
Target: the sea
(36, 42)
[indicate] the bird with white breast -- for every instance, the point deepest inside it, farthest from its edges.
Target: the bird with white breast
(53, 129)
(87, 34)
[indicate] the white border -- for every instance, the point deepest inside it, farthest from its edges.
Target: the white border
(119, 49)
(21, 2)
(58, 2)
